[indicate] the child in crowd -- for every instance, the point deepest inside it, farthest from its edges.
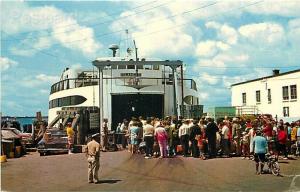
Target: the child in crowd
(245, 145)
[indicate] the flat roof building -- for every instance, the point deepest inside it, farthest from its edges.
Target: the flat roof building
(277, 94)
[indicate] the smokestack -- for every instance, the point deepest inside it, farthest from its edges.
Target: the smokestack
(114, 48)
(276, 72)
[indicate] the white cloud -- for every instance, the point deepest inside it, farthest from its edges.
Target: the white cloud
(210, 48)
(224, 32)
(294, 23)
(31, 45)
(287, 8)
(294, 32)
(39, 80)
(229, 34)
(76, 37)
(17, 17)
(207, 9)
(159, 37)
(6, 63)
(232, 58)
(252, 73)
(222, 61)
(76, 67)
(47, 78)
(228, 81)
(62, 29)
(203, 96)
(208, 78)
(44, 91)
(213, 25)
(264, 34)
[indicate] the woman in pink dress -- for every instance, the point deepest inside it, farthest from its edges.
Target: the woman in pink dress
(162, 137)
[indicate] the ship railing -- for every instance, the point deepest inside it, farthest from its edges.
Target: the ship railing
(247, 110)
(73, 83)
(89, 81)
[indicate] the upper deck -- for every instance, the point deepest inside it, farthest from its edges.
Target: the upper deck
(124, 72)
(122, 75)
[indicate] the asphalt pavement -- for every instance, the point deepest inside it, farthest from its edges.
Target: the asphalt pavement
(121, 171)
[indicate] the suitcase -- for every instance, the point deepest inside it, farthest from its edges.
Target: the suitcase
(179, 149)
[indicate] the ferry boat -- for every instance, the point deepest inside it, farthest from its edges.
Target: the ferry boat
(128, 86)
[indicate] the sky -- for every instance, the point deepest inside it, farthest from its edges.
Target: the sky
(220, 42)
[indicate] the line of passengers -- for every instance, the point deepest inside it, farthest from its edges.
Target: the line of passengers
(206, 138)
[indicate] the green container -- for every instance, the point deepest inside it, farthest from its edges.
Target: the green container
(221, 112)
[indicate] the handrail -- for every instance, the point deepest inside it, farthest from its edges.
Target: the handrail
(90, 81)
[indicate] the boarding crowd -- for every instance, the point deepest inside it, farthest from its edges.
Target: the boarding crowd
(207, 138)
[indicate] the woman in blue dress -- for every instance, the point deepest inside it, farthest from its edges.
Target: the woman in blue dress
(134, 132)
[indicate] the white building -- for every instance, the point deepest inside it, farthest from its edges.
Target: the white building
(277, 95)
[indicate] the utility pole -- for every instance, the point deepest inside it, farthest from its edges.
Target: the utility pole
(136, 66)
(182, 94)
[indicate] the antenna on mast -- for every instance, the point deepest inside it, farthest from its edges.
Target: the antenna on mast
(127, 48)
(135, 49)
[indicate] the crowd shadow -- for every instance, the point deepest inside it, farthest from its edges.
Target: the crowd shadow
(108, 181)
(283, 162)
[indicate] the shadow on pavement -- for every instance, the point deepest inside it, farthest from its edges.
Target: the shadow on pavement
(284, 162)
(109, 181)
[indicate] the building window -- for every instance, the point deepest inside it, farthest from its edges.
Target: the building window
(244, 98)
(293, 89)
(285, 93)
(121, 66)
(130, 66)
(170, 79)
(257, 96)
(269, 96)
(140, 67)
(286, 111)
(148, 67)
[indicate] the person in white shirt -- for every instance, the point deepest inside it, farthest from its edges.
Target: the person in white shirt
(225, 139)
(184, 134)
(148, 130)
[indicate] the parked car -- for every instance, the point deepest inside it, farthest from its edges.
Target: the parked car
(55, 141)
(26, 138)
(17, 132)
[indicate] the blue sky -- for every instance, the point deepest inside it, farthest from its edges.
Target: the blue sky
(221, 42)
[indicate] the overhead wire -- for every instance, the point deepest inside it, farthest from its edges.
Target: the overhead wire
(97, 24)
(39, 51)
(165, 29)
(132, 27)
(239, 67)
(186, 23)
(109, 15)
(185, 12)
